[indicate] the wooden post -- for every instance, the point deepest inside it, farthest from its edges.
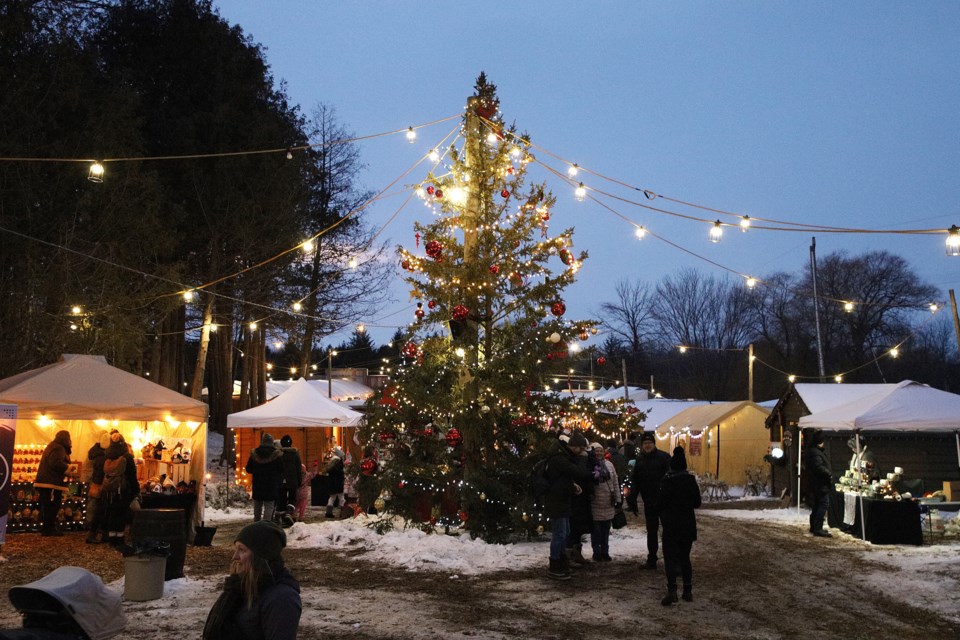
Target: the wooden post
(956, 319)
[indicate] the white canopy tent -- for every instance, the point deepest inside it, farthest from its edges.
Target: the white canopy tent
(302, 405)
(86, 396)
(906, 406)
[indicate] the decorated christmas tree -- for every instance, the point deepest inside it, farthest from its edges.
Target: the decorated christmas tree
(457, 432)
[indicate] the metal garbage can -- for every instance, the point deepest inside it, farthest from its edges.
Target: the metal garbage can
(143, 577)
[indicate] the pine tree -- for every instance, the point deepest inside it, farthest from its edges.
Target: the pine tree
(463, 421)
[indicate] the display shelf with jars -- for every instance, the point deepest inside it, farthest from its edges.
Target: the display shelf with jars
(23, 515)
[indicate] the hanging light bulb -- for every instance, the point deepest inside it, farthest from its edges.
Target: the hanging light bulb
(307, 245)
(491, 138)
(894, 352)
(96, 173)
(791, 378)
(360, 329)
(580, 193)
(297, 307)
(934, 307)
(253, 326)
(848, 307)
(76, 310)
(573, 170)
(640, 232)
(277, 345)
(411, 135)
(188, 295)
(716, 232)
(434, 156)
(682, 349)
(457, 195)
(751, 283)
(838, 378)
(352, 263)
(744, 223)
(953, 240)
(515, 152)
(289, 154)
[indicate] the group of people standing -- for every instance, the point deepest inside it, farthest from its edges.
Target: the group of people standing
(584, 494)
(279, 477)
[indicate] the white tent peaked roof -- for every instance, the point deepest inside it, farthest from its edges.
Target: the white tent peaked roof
(698, 417)
(820, 396)
(907, 406)
(299, 406)
(82, 387)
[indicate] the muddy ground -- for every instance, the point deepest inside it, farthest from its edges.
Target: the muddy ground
(751, 580)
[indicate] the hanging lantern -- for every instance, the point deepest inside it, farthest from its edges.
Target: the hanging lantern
(454, 437)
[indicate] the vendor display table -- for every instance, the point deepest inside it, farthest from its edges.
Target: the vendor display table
(887, 521)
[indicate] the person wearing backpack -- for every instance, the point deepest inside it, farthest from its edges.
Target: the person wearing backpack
(292, 475)
(95, 506)
(120, 487)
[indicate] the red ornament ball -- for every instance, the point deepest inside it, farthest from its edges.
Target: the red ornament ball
(430, 189)
(419, 313)
(558, 308)
(454, 437)
(494, 269)
(438, 193)
(566, 257)
(460, 313)
(387, 437)
(584, 335)
(434, 248)
(601, 361)
(504, 193)
(405, 265)
(410, 350)
(432, 304)
(368, 466)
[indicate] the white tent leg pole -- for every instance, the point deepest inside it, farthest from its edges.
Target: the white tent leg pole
(958, 448)
(863, 522)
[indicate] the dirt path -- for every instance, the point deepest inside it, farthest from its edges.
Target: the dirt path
(751, 580)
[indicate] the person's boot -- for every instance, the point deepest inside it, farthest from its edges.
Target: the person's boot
(329, 513)
(671, 596)
(565, 565)
(821, 533)
(650, 564)
(556, 571)
(576, 555)
(687, 593)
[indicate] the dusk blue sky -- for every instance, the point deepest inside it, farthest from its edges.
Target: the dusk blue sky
(823, 113)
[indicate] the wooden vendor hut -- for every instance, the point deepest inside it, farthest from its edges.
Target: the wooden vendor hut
(724, 439)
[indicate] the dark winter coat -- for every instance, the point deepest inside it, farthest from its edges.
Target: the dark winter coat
(291, 467)
(335, 475)
(581, 514)
(562, 472)
(54, 463)
(679, 496)
(95, 457)
(819, 478)
(647, 474)
(265, 466)
(130, 488)
(274, 615)
(619, 462)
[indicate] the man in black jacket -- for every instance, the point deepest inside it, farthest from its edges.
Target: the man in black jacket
(819, 481)
(651, 466)
(265, 466)
(563, 474)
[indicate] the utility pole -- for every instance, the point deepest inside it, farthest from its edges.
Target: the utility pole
(330, 354)
(956, 319)
(749, 373)
(816, 307)
(626, 389)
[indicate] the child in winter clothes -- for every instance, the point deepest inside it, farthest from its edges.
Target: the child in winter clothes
(303, 491)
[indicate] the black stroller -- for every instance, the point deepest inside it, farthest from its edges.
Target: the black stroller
(68, 603)
(284, 515)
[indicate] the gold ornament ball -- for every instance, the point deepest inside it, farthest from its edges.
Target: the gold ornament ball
(483, 497)
(379, 504)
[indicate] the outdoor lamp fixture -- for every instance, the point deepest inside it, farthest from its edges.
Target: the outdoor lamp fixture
(744, 223)
(411, 135)
(953, 240)
(573, 170)
(791, 378)
(838, 379)
(76, 310)
(640, 232)
(716, 232)
(360, 329)
(580, 193)
(96, 173)
(776, 453)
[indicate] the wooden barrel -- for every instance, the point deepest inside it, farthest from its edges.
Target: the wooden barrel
(164, 525)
